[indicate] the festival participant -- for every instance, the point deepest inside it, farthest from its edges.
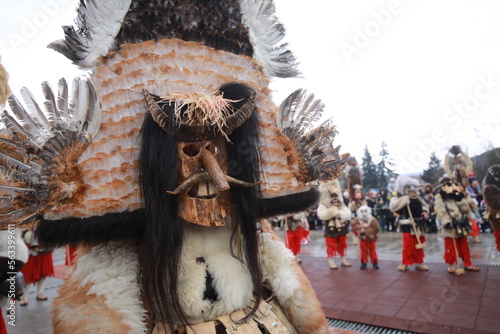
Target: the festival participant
(367, 228)
(412, 214)
(295, 232)
(491, 193)
(458, 165)
(453, 211)
(335, 216)
(39, 266)
(163, 166)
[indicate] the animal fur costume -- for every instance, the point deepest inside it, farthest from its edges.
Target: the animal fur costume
(453, 211)
(366, 227)
(164, 163)
(335, 216)
(491, 193)
(408, 204)
(294, 231)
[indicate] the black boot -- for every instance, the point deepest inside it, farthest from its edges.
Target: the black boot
(363, 265)
(375, 265)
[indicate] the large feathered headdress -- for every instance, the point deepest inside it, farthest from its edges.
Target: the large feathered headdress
(74, 158)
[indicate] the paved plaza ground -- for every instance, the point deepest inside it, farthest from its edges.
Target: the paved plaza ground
(423, 302)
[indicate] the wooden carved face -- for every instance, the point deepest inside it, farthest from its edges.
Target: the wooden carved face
(203, 187)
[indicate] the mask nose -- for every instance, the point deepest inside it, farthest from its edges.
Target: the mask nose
(212, 166)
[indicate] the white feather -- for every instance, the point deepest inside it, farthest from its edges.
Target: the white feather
(100, 20)
(266, 34)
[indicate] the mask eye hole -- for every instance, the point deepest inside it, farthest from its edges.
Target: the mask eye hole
(212, 148)
(191, 150)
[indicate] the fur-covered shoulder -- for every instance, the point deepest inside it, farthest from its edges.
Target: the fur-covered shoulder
(103, 288)
(290, 285)
(397, 203)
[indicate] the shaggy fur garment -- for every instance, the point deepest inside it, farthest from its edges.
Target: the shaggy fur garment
(106, 278)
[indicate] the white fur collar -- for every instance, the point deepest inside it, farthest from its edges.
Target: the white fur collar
(112, 270)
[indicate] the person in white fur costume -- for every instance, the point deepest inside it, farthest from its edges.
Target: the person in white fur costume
(412, 211)
(335, 216)
(164, 163)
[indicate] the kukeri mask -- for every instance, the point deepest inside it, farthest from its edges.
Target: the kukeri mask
(202, 124)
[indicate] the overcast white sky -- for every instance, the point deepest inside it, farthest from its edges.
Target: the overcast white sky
(418, 75)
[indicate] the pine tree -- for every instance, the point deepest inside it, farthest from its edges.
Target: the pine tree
(435, 170)
(384, 171)
(369, 170)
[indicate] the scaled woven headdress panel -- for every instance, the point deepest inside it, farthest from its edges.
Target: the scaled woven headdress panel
(163, 47)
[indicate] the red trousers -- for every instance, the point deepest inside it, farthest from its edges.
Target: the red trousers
(294, 239)
(497, 239)
(450, 256)
(368, 248)
(411, 254)
(336, 246)
(475, 228)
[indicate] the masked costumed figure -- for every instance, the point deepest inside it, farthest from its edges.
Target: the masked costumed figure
(491, 193)
(458, 165)
(295, 232)
(412, 214)
(453, 212)
(367, 228)
(163, 166)
(335, 216)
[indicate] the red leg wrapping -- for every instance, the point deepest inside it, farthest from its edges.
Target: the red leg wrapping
(475, 228)
(372, 248)
(294, 239)
(363, 247)
(449, 251)
(336, 246)
(342, 242)
(497, 239)
(331, 246)
(412, 255)
(463, 250)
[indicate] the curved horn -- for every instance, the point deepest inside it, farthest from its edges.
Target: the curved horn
(239, 183)
(236, 119)
(193, 179)
(154, 109)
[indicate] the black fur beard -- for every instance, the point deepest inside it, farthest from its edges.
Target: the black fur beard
(455, 195)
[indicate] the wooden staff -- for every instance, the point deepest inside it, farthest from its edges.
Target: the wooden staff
(415, 229)
(458, 271)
